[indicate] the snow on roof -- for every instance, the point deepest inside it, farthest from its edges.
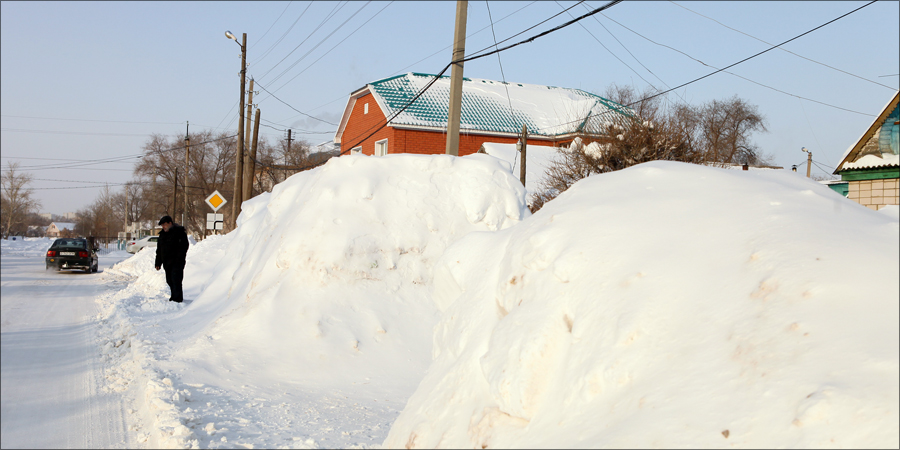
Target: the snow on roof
(486, 104)
(873, 161)
(64, 225)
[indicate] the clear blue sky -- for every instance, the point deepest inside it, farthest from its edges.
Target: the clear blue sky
(159, 64)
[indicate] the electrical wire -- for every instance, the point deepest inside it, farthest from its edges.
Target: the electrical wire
(611, 52)
(503, 75)
(437, 77)
(335, 46)
(530, 28)
(734, 64)
(295, 109)
(92, 120)
(734, 74)
(273, 24)
(783, 49)
(330, 15)
(77, 133)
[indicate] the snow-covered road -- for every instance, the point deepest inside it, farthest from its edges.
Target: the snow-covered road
(52, 395)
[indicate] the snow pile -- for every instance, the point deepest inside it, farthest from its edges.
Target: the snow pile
(25, 246)
(668, 305)
(320, 297)
(540, 158)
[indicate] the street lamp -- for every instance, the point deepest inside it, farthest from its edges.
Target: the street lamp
(239, 156)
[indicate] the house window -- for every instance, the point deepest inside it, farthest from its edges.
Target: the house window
(381, 148)
(365, 108)
(356, 150)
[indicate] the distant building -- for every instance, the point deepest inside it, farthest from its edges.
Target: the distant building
(871, 166)
(60, 229)
(70, 216)
(492, 111)
(47, 216)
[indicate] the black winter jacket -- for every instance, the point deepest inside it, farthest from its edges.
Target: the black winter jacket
(172, 246)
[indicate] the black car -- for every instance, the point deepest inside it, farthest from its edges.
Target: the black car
(72, 254)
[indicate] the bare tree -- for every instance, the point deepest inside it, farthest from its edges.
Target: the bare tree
(718, 132)
(17, 201)
(211, 168)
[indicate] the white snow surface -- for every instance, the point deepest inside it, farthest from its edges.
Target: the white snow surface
(539, 159)
(668, 305)
(316, 309)
(25, 246)
(665, 305)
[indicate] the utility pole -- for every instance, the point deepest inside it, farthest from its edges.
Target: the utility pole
(187, 172)
(524, 140)
(248, 176)
(808, 161)
(456, 79)
(126, 211)
(238, 160)
(175, 193)
(287, 152)
(250, 169)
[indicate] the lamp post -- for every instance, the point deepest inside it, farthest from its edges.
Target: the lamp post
(238, 160)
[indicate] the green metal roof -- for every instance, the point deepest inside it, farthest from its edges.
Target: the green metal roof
(545, 110)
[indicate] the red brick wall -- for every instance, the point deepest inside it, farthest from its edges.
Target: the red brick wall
(361, 125)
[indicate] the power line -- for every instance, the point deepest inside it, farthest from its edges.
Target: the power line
(542, 34)
(273, 24)
(530, 28)
(783, 49)
(468, 36)
(295, 109)
(732, 73)
(437, 77)
(115, 159)
(751, 57)
(333, 13)
(93, 120)
(429, 56)
(613, 54)
(78, 133)
(335, 46)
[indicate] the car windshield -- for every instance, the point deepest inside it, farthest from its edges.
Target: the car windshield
(69, 243)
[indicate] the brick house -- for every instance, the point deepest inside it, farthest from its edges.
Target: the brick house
(871, 166)
(554, 116)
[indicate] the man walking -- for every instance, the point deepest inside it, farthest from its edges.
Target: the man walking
(171, 250)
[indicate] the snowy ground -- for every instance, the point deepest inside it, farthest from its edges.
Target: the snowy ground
(53, 391)
(413, 301)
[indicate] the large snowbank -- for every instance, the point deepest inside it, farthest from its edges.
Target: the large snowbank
(668, 305)
(25, 246)
(321, 296)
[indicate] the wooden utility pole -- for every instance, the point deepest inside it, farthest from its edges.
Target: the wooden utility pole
(808, 161)
(456, 79)
(246, 195)
(288, 152)
(175, 194)
(187, 172)
(524, 140)
(250, 169)
(239, 157)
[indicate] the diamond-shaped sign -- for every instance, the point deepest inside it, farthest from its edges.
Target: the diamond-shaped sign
(215, 201)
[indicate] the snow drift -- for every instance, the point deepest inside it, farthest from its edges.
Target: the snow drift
(668, 305)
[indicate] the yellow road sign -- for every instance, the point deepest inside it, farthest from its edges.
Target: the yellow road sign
(215, 201)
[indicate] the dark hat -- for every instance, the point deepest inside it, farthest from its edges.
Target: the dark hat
(165, 219)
